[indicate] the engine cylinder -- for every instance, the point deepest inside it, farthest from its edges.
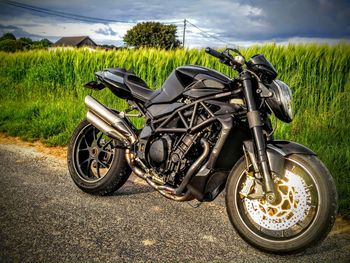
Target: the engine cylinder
(158, 151)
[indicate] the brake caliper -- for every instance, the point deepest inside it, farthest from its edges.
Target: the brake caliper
(252, 188)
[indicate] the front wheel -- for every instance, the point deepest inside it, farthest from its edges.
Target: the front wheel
(302, 215)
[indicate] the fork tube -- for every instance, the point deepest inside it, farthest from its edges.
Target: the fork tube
(255, 125)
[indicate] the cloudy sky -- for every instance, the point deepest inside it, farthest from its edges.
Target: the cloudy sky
(229, 22)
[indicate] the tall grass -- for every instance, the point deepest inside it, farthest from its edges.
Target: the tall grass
(41, 93)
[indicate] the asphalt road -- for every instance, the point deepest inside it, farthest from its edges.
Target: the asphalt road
(44, 217)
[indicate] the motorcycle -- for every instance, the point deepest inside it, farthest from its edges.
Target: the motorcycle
(205, 132)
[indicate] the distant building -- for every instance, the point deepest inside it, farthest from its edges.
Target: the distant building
(71, 42)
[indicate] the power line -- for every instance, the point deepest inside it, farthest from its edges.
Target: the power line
(174, 22)
(73, 16)
(90, 19)
(64, 14)
(207, 34)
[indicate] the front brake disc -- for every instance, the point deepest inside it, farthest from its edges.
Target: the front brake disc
(291, 206)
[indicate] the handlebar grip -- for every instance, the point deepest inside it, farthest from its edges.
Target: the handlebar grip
(214, 53)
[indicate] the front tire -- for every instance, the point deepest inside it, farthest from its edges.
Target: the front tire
(95, 164)
(302, 216)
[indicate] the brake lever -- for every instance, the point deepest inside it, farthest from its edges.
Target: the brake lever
(227, 54)
(234, 50)
(227, 58)
(226, 61)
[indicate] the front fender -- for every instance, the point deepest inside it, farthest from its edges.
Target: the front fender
(277, 151)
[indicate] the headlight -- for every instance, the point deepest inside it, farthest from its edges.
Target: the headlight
(281, 101)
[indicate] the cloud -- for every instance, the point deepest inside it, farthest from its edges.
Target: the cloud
(19, 32)
(233, 21)
(53, 30)
(311, 18)
(106, 31)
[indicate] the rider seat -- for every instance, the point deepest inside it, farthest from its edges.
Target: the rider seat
(127, 80)
(139, 88)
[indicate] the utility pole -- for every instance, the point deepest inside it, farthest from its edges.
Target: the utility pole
(184, 34)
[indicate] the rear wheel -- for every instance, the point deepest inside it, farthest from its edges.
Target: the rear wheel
(95, 163)
(302, 215)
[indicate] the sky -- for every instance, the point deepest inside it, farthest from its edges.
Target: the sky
(220, 22)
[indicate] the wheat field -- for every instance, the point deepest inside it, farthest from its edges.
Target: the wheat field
(41, 93)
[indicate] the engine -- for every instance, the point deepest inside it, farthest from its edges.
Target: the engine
(171, 155)
(159, 150)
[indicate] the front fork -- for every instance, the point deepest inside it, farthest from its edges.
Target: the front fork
(255, 125)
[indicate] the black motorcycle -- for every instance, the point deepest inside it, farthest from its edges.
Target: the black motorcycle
(205, 132)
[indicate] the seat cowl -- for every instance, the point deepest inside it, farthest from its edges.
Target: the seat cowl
(113, 76)
(126, 84)
(116, 78)
(119, 71)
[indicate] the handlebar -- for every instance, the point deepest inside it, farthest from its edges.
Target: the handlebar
(214, 53)
(236, 62)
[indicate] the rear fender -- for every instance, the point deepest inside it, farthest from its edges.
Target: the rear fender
(94, 85)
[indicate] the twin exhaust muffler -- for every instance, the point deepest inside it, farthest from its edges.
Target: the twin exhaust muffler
(109, 122)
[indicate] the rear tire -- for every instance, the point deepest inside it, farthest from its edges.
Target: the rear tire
(95, 165)
(289, 229)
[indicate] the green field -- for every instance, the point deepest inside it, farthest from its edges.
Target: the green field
(41, 93)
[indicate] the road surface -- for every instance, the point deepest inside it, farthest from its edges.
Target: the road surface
(45, 217)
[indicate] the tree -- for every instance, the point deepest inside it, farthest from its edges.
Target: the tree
(26, 42)
(43, 43)
(7, 36)
(152, 34)
(10, 45)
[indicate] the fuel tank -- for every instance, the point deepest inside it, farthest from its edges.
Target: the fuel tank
(193, 81)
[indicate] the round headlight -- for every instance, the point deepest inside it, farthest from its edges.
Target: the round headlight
(281, 101)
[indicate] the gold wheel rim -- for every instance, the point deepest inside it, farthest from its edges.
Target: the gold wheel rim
(294, 209)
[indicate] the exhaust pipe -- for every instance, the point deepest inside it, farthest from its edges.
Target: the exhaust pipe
(163, 190)
(105, 128)
(194, 167)
(109, 122)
